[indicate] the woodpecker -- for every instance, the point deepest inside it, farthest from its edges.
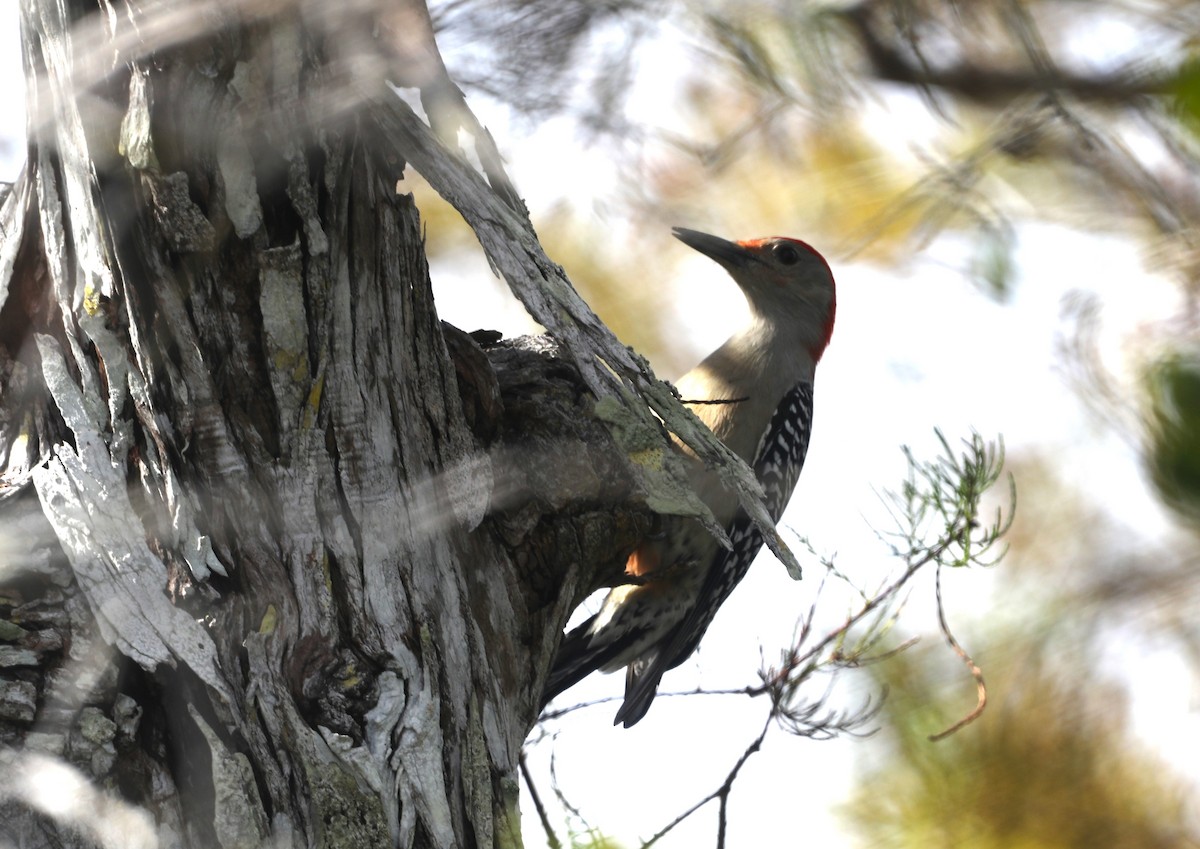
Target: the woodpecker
(755, 393)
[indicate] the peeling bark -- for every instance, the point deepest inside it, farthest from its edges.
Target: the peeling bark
(285, 557)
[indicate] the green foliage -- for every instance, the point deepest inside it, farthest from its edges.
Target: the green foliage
(1174, 432)
(1050, 765)
(1185, 91)
(937, 508)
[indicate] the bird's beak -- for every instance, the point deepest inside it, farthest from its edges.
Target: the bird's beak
(728, 254)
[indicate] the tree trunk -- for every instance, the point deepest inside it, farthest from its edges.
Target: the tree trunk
(285, 558)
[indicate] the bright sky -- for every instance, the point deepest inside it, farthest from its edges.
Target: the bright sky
(912, 350)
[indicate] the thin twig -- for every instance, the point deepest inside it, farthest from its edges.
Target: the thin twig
(721, 792)
(888, 592)
(551, 840)
(701, 401)
(570, 808)
(559, 712)
(698, 691)
(976, 672)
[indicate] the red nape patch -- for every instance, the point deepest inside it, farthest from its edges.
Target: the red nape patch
(827, 332)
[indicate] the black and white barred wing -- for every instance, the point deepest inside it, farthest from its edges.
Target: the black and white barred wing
(781, 451)
(777, 465)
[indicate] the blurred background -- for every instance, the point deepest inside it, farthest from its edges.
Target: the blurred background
(1007, 191)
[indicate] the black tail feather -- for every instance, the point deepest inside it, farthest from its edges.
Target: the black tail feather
(641, 685)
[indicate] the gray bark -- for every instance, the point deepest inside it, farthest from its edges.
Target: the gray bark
(284, 558)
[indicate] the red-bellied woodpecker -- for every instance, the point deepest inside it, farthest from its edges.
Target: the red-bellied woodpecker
(755, 392)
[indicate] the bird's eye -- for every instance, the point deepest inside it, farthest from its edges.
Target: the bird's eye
(787, 254)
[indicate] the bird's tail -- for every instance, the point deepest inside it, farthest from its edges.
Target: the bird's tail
(641, 685)
(577, 658)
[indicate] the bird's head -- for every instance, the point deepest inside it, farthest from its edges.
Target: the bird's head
(788, 284)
